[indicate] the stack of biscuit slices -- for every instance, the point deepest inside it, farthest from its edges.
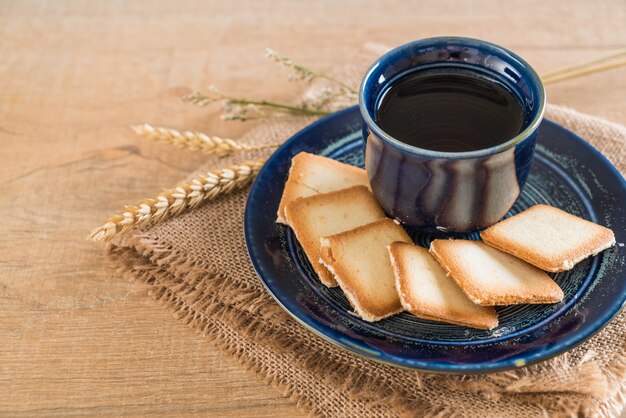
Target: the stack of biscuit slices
(351, 243)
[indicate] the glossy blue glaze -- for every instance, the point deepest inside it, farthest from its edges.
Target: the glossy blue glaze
(453, 191)
(567, 173)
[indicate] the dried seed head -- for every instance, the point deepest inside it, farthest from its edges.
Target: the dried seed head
(184, 196)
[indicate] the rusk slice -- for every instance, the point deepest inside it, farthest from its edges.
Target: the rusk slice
(490, 277)
(549, 238)
(312, 174)
(325, 214)
(427, 292)
(360, 263)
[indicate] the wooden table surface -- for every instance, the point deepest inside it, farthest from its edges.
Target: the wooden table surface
(75, 337)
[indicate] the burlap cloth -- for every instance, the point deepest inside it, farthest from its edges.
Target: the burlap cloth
(197, 265)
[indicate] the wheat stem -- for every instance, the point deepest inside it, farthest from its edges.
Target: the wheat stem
(195, 141)
(306, 73)
(595, 61)
(583, 70)
(174, 201)
(298, 110)
(244, 106)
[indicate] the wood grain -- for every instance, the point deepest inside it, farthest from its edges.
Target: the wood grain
(77, 339)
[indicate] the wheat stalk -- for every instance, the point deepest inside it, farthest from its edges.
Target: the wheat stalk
(174, 201)
(585, 64)
(302, 72)
(194, 141)
(338, 96)
(235, 108)
(581, 70)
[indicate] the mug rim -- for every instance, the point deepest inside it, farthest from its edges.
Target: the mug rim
(520, 137)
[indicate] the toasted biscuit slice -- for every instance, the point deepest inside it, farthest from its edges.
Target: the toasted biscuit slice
(490, 277)
(360, 263)
(325, 214)
(427, 292)
(312, 174)
(549, 238)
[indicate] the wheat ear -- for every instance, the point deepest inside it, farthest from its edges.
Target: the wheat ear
(174, 201)
(194, 141)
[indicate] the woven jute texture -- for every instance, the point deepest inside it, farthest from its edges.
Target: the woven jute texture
(197, 266)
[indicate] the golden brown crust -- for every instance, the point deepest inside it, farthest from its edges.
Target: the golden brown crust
(367, 314)
(296, 185)
(360, 200)
(293, 190)
(482, 318)
(349, 281)
(498, 237)
(447, 253)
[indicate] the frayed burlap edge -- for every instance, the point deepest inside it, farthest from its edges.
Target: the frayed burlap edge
(200, 307)
(225, 325)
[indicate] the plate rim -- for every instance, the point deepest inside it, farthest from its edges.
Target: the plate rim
(435, 367)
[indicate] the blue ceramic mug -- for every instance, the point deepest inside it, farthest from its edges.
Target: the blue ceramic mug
(450, 191)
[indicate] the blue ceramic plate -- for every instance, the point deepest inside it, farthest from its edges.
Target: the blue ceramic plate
(567, 173)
